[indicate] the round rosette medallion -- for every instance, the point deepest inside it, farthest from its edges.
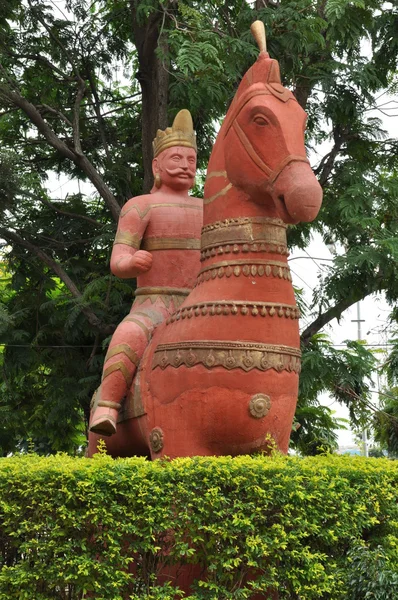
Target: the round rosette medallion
(259, 406)
(156, 439)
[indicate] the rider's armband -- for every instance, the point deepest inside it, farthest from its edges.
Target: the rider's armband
(124, 237)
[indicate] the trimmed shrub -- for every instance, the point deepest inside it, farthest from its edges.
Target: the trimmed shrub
(113, 529)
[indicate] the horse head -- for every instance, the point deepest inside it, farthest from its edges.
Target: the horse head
(260, 146)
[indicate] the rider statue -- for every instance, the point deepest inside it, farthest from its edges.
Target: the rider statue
(158, 242)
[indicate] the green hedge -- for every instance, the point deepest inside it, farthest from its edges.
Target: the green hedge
(108, 529)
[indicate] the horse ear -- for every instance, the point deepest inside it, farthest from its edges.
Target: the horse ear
(274, 73)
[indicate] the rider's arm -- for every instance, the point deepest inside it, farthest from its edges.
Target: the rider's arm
(127, 260)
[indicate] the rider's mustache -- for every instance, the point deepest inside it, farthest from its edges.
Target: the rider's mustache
(179, 171)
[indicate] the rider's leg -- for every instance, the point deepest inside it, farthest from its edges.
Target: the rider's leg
(125, 351)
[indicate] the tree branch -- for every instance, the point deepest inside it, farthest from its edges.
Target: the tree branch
(334, 312)
(69, 214)
(76, 116)
(55, 112)
(37, 13)
(327, 163)
(79, 159)
(34, 115)
(97, 110)
(59, 271)
(43, 60)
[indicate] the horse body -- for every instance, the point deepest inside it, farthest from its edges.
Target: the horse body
(221, 375)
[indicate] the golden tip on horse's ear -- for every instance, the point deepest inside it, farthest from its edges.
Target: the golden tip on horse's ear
(258, 30)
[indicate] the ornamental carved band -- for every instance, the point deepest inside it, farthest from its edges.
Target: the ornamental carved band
(237, 247)
(229, 355)
(224, 307)
(253, 268)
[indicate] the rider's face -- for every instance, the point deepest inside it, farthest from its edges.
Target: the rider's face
(177, 167)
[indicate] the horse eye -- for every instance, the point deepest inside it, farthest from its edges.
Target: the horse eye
(260, 120)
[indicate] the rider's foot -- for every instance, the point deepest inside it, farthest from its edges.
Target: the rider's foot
(103, 426)
(104, 418)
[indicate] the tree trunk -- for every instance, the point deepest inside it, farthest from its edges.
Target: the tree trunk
(154, 80)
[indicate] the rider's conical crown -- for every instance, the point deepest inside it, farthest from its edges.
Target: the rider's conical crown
(181, 133)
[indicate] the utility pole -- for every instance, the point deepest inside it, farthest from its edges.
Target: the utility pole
(358, 320)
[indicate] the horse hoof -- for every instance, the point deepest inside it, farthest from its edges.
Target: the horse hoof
(103, 426)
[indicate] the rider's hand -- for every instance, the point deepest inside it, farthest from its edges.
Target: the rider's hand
(141, 261)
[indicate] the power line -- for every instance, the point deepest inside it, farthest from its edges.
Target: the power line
(92, 346)
(41, 346)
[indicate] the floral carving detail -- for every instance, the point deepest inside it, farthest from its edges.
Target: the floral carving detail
(164, 360)
(259, 406)
(156, 439)
(230, 355)
(248, 360)
(210, 359)
(230, 361)
(177, 359)
(190, 359)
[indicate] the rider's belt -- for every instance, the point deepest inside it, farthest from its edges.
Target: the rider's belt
(170, 244)
(162, 291)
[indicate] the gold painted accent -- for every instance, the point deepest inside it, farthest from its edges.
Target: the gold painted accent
(95, 399)
(119, 366)
(156, 439)
(167, 299)
(259, 405)
(138, 322)
(158, 181)
(222, 192)
(225, 307)
(181, 133)
(227, 354)
(109, 404)
(150, 244)
(147, 291)
(123, 349)
(243, 221)
(258, 31)
(143, 213)
(248, 230)
(216, 174)
(133, 406)
(124, 237)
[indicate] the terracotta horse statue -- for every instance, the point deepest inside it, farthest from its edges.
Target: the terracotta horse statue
(220, 376)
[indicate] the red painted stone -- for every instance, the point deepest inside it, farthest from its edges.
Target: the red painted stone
(220, 376)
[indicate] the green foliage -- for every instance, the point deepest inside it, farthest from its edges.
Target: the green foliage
(115, 529)
(374, 574)
(342, 373)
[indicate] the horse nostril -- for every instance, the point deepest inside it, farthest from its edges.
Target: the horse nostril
(281, 197)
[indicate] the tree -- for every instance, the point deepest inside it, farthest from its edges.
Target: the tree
(83, 88)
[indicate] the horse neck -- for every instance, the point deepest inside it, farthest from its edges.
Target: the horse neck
(221, 199)
(257, 226)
